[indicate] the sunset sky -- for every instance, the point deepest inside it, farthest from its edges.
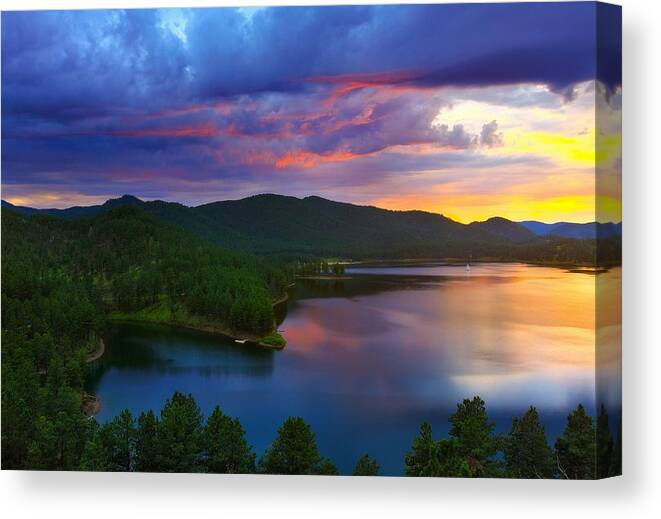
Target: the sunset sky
(467, 110)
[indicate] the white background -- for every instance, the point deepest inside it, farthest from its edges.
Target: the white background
(33, 494)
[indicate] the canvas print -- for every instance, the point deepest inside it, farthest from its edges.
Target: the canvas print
(341, 240)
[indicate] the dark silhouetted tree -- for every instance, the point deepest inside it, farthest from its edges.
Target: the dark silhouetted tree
(325, 467)
(604, 445)
(95, 456)
(475, 442)
(179, 434)
(616, 462)
(423, 459)
(120, 435)
(576, 448)
(366, 466)
(294, 451)
(527, 452)
(430, 458)
(146, 443)
(225, 447)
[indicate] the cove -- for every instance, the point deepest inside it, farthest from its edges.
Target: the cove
(369, 358)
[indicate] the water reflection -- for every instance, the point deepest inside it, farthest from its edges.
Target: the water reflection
(370, 357)
(153, 350)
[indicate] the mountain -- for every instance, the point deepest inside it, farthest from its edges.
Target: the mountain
(78, 211)
(21, 209)
(270, 223)
(319, 226)
(579, 231)
(504, 228)
(315, 226)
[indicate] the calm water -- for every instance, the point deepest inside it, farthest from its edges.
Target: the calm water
(369, 358)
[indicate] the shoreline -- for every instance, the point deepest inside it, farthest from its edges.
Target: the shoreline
(91, 403)
(215, 329)
(97, 353)
(325, 277)
(582, 266)
(206, 328)
(283, 299)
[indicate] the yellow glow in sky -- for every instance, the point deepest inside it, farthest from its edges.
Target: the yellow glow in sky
(560, 133)
(470, 208)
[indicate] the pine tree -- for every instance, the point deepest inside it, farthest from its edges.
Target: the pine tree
(575, 449)
(95, 456)
(616, 459)
(121, 436)
(430, 458)
(294, 451)
(325, 467)
(366, 466)
(146, 445)
(423, 459)
(226, 450)
(604, 445)
(475, 442)
(179, 435)
(43, 450)
(527, 452)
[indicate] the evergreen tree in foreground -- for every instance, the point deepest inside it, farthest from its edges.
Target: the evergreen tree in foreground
(226, 450)
(146, 447)
(119, 436)
(95, 456)
(475, 443)
(527, 452)
(178, 435)
(616, 461)
(430, 458)
(294, 451)
(325, 467)
(604, 445)
(60, 433)
(576, 448)
(423, 459)
(366, 466)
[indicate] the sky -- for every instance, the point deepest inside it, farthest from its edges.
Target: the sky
(471, 111)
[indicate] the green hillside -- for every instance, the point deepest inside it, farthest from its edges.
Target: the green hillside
(313, 226)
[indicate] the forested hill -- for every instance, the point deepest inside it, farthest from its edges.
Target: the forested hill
(272, 223)
(62, 279)
(275, 224)
(127, 260)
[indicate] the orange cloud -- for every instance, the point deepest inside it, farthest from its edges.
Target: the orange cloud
(347, 83)
(256, 157)
(206, 130)
(308, 159)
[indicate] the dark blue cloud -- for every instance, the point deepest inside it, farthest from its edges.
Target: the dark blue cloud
(89, 63)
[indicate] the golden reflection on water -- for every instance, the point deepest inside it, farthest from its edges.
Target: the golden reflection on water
(508, 332)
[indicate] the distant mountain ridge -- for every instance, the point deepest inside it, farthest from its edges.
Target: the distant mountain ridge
(278, 224)
(504, 228)
(78, 211)
(580, 231)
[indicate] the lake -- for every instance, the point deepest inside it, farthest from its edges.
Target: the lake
(371, 357)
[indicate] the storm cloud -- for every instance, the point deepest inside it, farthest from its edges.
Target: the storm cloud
(151, 101)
